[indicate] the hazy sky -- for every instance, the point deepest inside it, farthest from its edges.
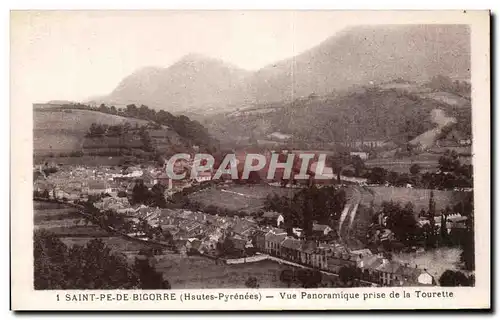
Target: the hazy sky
(74, 55)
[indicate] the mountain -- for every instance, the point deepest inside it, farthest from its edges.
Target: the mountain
(61, 102)
(77, 131)
(356, 56)
(384, 114)
(63, 131)
(193, 82)
(364, 54)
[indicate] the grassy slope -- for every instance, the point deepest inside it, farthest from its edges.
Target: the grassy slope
(381, 113)
(197, 272)
(245, 198)
(61, 131)
(419, 197)
(63, 221)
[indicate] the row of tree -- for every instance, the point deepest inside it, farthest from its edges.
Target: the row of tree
(451, 175)
(323, 205)
(92, 266)
(189, 129)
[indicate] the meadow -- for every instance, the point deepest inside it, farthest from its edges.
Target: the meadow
(194, 272)
(428, 163)
(248, 198)
(117, 244)
(63, 221)
(63, 131)
(419, 197)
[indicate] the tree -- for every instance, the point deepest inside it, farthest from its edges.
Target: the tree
(158, 196)
(122, 194)
(432, 206)
(443, 230)
(358, 165)
(415, 169)
(401, 220)
(140, 193)
(377, 176)
(252, 282)
(451, 278)
(92, 266)
(287, 277)
(149, 277)
(347, 275)
(309, 278)
(467, 257)
(449, 162)
(45, 194)
(227, 247)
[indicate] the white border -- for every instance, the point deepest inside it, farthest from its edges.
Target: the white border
(21, 165)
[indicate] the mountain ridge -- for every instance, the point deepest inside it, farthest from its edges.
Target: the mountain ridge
(354, 56)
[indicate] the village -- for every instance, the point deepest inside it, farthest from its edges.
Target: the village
(230, 239)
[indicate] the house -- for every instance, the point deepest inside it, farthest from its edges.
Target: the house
(291, 249)
(450, 137)
(259, 239)
(191, 228)
(98, 187)
(193, 244)
(361, 154)
(320, 174)
(368, 265)
(243, 227)
(321, 229)
(273, 243)
(312, 255)
(165, 180)
(365, 142)
(41, 186)
(239, 244)
(465, 141)
(391, 273)
(148, 179)
(388, 273)
(203, 176)
(319, 259)
(361, 253)
(209, 244)
(299, 232)
(278, 136)
(274, 218)
(58, 193)
(306, 252)
(414, 276)
(385, 235)
(338, 259)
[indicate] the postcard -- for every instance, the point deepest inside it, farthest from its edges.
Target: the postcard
(250, 160)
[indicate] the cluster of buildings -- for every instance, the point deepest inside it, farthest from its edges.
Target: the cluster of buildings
(332, 257)
(80, 182)
(204, 233)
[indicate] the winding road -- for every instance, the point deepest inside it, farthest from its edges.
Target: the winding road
(356, 195)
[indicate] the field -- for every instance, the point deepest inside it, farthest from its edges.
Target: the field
(427, 162)
(249, 198)
(117, 244)
(63, 131)
(91, 161)
(436, 261)
(195, 272)
(63, 221)
(419, 197)
(71, 228)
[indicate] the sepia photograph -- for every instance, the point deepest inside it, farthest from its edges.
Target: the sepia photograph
(249, 150)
